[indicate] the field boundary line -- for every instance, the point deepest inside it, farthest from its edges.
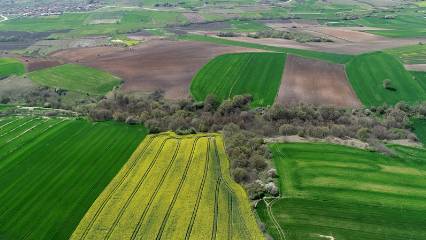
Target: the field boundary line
(157, 189)
(13, 120)
(199, 195)
(176, 195)
(272, 217)
(110, 194)
(135, 190)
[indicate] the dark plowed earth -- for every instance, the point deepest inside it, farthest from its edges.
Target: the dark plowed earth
(315, 82)
(158, 64)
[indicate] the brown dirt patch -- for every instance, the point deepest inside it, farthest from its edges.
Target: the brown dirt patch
(416, 67)
(37, 64)
(160, 64)
(315, 82)
(194, 17)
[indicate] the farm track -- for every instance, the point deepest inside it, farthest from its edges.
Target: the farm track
(163, 178)
(216, 207)
(135, 190)
(230, 213)
(103, 204)
(200, 191)
(169, 210)
(12, 130)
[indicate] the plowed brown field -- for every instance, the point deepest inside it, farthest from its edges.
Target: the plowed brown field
(159, 64)
(315, 82)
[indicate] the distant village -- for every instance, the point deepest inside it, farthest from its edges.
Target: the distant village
(56, 8)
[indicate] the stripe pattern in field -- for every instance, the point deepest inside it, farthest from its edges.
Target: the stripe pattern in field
(172, 187)
(53, 169)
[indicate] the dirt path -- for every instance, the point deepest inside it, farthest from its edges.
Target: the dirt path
(315, 82)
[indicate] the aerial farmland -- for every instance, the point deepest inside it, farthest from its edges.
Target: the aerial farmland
(193, 120)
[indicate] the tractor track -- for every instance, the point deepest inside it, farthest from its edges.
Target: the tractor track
(176, 195)
(109, 196)
(216, 207)
(199, 195)
(157, 189)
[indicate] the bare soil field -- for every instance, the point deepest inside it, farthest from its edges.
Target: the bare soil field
(194, 17)
(34, 64)
(315, 82)
(416, 67)
(159, 64)
(342, 47)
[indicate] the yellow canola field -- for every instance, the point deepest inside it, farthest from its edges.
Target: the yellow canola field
(172, 187)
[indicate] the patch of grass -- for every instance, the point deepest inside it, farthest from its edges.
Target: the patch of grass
(77, 78)
(171, 188)
(420, 129)
(367, 72)
(11, 66)
(347, 193)
(52, 170)
(257, 74)
(421, 4)
(330, 57)
(414, 54)
(420, 77)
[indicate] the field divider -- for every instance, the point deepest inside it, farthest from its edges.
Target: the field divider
(24, 132)
(121, 181)
(200, 191)
(216, 207)
(157, 189)
(4, 125)
(176, 195)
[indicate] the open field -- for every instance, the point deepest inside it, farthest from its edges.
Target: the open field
(331, 57)
(53, 169)
(76, 78)
(257, 74)
(337, 192)
(413, 54)
(367, 72)
(315, 82)
(10, 66)
(173, 187)
(100, 22)
(420, 129)
(154, 65)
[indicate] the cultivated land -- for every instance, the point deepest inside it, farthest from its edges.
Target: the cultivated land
(257, 74)
(76, 78)
(154, 65)
(414, 54)
(315, 82)
(53, 169)
(10, 66)
(367, 72)
(173, 187)
(338, 192)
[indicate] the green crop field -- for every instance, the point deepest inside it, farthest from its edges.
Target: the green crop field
(10, 66)
(330, 57)
(173, 187)
(420, 77)
(367, 72)
(77, 78)
(414, 54)
(103, 21)
(420, 129)
(53, 169)
(337, 192)
(257, 74)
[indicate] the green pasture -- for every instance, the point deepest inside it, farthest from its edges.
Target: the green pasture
(11, 66)
(367, 72)
(77, 78)
(347, 193)
(257, 74)
(52, 170)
